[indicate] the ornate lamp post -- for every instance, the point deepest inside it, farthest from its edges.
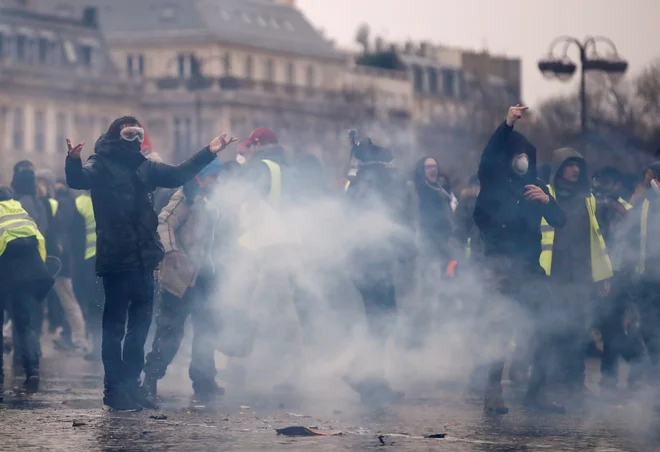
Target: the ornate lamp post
(561, 67)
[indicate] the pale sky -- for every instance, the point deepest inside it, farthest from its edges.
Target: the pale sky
(522, 28)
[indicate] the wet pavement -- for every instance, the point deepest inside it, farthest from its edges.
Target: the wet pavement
(67, 416)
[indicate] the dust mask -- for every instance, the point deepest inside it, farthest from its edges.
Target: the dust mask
(240, 159)
(521, 164)
(655, 186)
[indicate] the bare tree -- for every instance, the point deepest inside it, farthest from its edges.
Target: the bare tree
(362, 37)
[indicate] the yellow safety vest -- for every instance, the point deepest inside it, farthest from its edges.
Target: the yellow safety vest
(275, 194)
(85, 208)
(54, 204)
(601, 267)
(15, 223)
(252, 235)
(346, 185)
(642, 237)
(625, 204)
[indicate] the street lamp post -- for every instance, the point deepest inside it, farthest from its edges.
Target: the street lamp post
(563, 68)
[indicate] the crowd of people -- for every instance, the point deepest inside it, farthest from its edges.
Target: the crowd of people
(92, 253)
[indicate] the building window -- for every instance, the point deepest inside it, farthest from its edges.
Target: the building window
(60, 131)
(44, 50)
(141, 64)
(18, 132)
(449, 83)
(21, 48)
(40, 131)
(129, 64)
(291, 73)
(433, 80)
(249, 67)
(418, 79)
(181, 60)
(86, 55)
(310, 77)
(226, 61)
(182, 137)
(270, 71)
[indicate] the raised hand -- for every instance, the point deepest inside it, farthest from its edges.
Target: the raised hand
(221, 143)
(74, 151)
(515, 113)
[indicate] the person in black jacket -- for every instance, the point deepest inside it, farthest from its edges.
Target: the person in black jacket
(508, 213)
(121, 182)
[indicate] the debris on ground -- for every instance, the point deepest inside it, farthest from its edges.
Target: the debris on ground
(244, 407)
(158, 417)
(79, 423)
(297, 415)
(65, 403)
(305, 431)
(436, 436)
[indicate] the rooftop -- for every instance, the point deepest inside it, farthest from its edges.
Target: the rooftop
(254, 23)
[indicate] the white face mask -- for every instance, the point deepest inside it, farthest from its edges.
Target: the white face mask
(240, 159)
(132, 134)
(521, 164)
(655, 186)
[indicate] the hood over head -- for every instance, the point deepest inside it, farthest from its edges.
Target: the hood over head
(24, 181)
(502, 161)
(420, 176)
(6, 194)
(126, 153)
(559, 159)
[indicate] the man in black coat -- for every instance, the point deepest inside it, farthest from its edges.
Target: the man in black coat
(508, 213)
(121, 182)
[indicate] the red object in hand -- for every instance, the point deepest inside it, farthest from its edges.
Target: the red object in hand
(451, 269)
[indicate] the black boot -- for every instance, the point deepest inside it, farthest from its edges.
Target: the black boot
(149, 389)
(117, 398)
(493, 401)
(207, 390)
(31, 385)
(140, 397)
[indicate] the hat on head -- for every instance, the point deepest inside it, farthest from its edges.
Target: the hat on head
(262, 135)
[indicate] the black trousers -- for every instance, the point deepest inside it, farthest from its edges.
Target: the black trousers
(170, 321)
(127, 316)
(648, 304)
(376, 286)
(26, 312)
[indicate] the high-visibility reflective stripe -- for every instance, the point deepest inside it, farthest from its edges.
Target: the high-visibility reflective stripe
(601, 266)
(18, 216)
(468, 248)
(275, 194)
(6, 226)
(625, 204)
(642, 236)
(347, 185)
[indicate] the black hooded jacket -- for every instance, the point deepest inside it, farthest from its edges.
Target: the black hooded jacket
(121, 183)
(510, 225)
(436, 222)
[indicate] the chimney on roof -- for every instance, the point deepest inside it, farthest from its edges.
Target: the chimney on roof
(90, 17)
